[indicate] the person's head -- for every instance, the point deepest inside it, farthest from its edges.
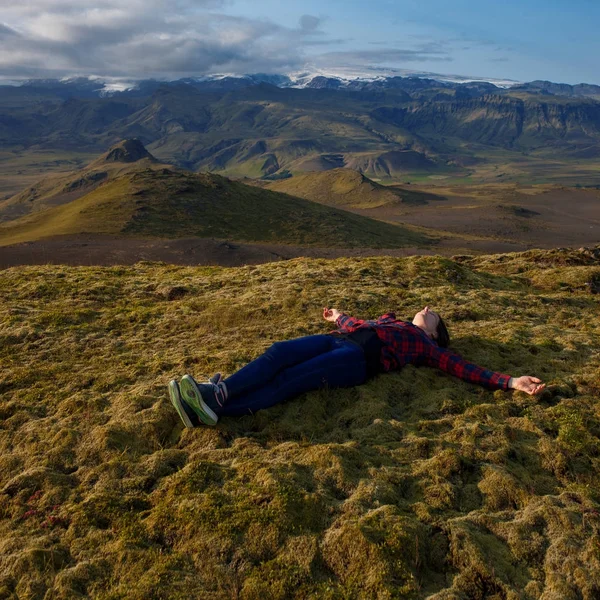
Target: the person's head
(433, 325)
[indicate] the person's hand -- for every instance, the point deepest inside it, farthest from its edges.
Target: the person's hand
(331, 314)
(527, 384)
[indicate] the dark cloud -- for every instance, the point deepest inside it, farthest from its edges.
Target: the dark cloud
(7, 32)
(150, 38)
(309, 23)
(330, 42)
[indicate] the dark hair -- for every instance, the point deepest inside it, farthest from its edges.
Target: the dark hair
(443, 337)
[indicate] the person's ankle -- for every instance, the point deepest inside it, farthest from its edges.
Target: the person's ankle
(224, 389)
(220, 394)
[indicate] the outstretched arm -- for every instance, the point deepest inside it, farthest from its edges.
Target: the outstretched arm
(454, 364)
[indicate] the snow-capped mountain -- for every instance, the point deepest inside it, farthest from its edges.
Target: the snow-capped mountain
(347, 76)
(312, 77)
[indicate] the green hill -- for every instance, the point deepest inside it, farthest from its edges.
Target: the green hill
(348, 188)
(165, 203)
(415, 485)
(127, 156)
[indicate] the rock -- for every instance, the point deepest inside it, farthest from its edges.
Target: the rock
(594, 284)
(173, 292)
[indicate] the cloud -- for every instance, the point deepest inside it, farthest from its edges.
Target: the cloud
(384, 56)
(6, 32)
(166, 39)
(309, 23)
(329, 42)
(138, 39)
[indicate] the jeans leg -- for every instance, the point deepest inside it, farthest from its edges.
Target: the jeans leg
(280, 355)
(343, 366)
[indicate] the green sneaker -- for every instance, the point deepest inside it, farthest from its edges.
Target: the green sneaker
(206, 399)
(184, 410)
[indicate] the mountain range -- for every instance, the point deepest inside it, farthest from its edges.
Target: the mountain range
(392, 129)
(95, 87)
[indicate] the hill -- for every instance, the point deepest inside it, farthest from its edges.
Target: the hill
(165, 203)
(349, 189)
(415, 485)
(127, 156)
(392, 164)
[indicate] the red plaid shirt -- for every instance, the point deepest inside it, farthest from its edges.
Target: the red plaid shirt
(405, 343)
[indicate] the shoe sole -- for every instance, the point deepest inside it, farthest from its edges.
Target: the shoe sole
(175, 396)
(191, 394)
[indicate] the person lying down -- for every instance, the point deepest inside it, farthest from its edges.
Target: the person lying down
(356, 351)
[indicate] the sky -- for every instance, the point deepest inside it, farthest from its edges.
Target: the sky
(127, 40)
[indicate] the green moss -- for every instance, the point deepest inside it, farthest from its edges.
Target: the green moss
(414, 485)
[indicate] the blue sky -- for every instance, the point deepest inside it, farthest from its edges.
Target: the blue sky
(524, 40)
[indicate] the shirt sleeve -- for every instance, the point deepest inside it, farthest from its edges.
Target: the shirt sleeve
(391, 316)
(347, 324)
(452, 363)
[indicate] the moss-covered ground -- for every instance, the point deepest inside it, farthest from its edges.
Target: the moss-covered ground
(414, 485)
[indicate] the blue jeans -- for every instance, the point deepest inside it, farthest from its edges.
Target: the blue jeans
(290, 368)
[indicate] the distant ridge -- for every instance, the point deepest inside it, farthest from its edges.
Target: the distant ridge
(348, 188)
(584, 90)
